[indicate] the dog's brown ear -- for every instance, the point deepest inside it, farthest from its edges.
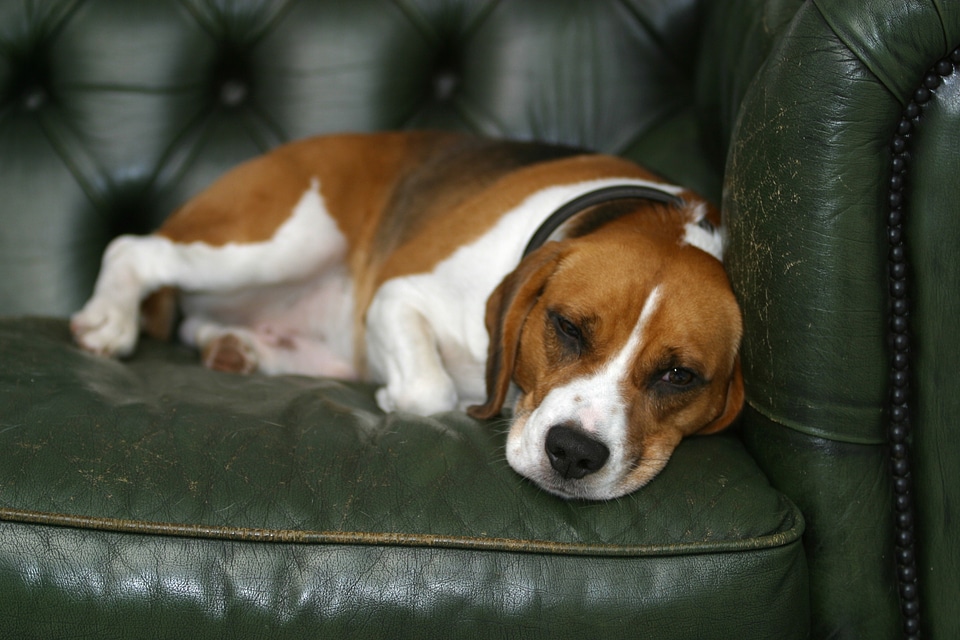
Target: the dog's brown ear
(735, 397)
(507, 310)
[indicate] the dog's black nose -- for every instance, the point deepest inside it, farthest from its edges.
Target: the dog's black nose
(573, 453)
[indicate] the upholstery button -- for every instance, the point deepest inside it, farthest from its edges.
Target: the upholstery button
(899, 324)
(34, 98)
(901, 360)
(233, 93)
(901, 467)
(899, 395)
(444, 85)
(908, 591)
(905, 538)
(902, 485)
(901, 342)
(905, 518)
(899, 414)
(898, 435)
(908, 574)
(912, 627)
(906, 556)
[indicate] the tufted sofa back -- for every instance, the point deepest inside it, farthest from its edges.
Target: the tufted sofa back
(113, 112)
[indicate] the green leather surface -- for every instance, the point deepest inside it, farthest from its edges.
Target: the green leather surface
(280, 496)
(806, 197)
(128, 586)
(934, 238)
(808, 256)
(843, 490)
(738, 35)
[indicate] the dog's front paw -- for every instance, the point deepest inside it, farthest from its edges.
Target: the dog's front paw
(106, 328)
(422, 399)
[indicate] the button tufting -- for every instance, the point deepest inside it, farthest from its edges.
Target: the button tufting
(34, 98)
(233, 93)
(445, 85)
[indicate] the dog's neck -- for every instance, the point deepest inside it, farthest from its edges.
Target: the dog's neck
(592, 199)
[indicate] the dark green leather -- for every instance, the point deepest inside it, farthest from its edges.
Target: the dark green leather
(936, 238)
(807, 195)
(157, 498)
(152, 498)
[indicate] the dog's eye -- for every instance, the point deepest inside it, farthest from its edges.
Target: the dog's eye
(568, 332)
(679, 377)
(568, 329)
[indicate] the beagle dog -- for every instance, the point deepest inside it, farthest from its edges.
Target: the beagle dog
(431, 263)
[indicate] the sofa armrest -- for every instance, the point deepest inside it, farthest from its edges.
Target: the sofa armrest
(838, 198)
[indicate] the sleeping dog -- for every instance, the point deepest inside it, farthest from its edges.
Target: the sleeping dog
(457, 272)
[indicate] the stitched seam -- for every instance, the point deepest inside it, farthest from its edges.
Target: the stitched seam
(790, 535)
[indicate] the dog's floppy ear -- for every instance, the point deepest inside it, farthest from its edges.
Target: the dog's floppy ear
(731, 410)
(507, 310)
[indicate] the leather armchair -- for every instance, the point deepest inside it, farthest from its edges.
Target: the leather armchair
(153, 498)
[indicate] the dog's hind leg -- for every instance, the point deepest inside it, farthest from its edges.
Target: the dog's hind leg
(134, 267)
(237, 349)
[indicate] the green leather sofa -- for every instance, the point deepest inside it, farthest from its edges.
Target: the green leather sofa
(151, 498)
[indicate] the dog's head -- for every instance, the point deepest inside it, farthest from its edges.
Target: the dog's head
(620, 344)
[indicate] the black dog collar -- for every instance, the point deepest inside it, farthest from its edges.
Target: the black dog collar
(592, 199)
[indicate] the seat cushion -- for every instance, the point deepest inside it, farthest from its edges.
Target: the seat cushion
(153, 497)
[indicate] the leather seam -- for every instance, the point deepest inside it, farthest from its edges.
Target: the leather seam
(791, 535)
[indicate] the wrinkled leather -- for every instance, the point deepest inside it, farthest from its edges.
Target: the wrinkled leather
(843, 490)
(934, 235)
(294, 504)
(738, 36)
(806, 196)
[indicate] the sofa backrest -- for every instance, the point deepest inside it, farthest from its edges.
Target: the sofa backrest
(113, 112)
